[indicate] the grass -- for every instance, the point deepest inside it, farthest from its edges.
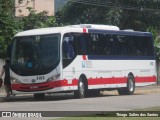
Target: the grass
(109, 118)
(150, 109)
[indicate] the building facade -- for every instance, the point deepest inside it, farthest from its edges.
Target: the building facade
(52, 6)
(38, 5)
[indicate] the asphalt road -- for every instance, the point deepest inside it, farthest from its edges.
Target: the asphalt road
(68, 103)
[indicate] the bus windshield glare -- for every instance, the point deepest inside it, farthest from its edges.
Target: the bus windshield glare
(35, 55)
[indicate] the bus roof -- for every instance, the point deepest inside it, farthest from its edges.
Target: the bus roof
(91, 28)
(41, 31)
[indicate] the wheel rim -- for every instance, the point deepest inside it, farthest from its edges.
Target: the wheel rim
(81, 88)
(131, 85)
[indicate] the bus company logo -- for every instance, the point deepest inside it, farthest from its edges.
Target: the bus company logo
(6, 114)
(87, 64)
(83, 64)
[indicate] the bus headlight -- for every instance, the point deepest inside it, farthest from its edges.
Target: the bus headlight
(54, 77)
(15, 81)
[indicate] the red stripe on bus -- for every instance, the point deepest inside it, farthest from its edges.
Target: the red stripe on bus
(145, 79)
(116, 80)
(84, 57)
(98, 81)
(84, 30)
(91, 81)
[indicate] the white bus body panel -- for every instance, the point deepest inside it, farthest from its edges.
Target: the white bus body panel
(99, 73)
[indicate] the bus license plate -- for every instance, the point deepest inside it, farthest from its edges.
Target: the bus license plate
(33, 87)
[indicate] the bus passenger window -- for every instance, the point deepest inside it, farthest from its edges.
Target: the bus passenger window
(112, 45)
(122, 45)
(95, 44)
(106, 44)
(68, 51)
(82, 44)
(130, 46)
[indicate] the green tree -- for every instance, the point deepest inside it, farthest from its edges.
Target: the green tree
(140, 15)
(156, 40)
(8, 25)
(123, 13)
(75, 13)
(37, 20)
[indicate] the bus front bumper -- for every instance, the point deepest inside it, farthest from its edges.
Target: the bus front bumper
(43, 86)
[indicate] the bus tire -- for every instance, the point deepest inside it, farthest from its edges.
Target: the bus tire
(129, 90)
(81, 92)
(39, 96)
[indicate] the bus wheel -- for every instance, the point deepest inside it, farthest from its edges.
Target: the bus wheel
(129, 90)
(39, 96)
(81, 92)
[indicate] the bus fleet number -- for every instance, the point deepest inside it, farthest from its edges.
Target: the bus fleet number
(40, 78)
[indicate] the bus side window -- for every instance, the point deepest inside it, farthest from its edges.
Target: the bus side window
(131, 46)
(82, 44)
(112, 45)
(106, 43)
(64, 46)
(138, 45)
(146, 43)
(122, 45)
(149, 52)
(102, 44)
(68, 51)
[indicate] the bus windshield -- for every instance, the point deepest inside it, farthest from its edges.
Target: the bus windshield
(35, 55)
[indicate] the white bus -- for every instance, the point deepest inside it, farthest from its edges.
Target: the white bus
(83, 59)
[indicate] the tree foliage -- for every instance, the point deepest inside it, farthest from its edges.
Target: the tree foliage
(139, 15)
(123, 13)
(156, 39)
(10, 25)
(37, 20)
